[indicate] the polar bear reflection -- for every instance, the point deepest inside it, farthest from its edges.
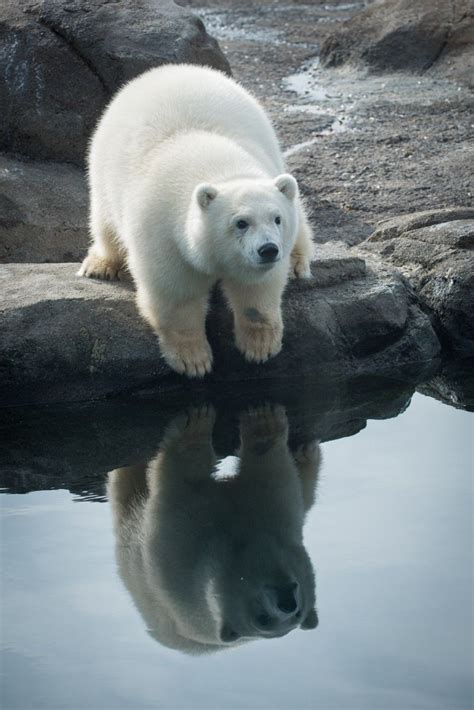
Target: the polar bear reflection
(213, 560)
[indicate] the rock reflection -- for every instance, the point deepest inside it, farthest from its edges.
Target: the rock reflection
(211, 550)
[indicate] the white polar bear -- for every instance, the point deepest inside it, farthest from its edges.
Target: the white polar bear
(212, 552)
(188, 187)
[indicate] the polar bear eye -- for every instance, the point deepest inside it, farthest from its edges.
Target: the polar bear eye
(277, 220)
(242, 224)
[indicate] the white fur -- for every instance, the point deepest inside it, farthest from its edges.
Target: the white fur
(180, 157)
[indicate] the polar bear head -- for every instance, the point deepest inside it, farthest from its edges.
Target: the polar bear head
(238, 591)
(249, 225)
(265, 589)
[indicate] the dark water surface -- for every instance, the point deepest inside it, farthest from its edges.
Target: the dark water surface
(195, 576)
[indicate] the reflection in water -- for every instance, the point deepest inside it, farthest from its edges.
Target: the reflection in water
(212, 551)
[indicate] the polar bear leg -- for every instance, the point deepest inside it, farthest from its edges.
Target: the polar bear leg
(308, 459)
(258, 325)
(126, 490)
(104, 260)
(303, 251)
(186, 451)
(181, 331)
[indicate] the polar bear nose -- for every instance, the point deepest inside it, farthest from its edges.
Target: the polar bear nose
(286, 598)
(280, 602)
(268, 252)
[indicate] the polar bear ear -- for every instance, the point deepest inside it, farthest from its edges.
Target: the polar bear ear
(311, 620)
(205, 193)
(228, 634)
(287, 185)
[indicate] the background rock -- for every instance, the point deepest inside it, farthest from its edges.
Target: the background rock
(435, 251)
(453, 384)
(43, 212)
(84, 339)
(389, 228)
(456, 61)
(61, 62)
(363, 146)
(401, 35)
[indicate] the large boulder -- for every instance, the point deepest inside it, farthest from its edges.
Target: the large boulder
(61, 62)
(83, 339)
(435, 251)
(43, 212)
(402, 35)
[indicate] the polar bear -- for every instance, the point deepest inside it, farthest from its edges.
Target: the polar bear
(212, 553)
(188, 187)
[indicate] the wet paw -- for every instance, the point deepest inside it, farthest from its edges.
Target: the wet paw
(99, 267)
(300, 266)
(187, 355)
(258, 344)
(191, 427)
(264, 425)
(200, 422)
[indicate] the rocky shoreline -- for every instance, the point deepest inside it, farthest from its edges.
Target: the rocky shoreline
(82, 339)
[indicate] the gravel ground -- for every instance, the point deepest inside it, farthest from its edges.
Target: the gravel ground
(363, 147)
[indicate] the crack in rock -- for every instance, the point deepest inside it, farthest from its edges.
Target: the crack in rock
(73, 47)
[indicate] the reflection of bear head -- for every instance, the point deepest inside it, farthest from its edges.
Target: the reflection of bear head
(210, 551)
(266, 589)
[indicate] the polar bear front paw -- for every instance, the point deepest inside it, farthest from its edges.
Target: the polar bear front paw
(95, 266)
(191, 356)
(199, 425)
(191, 428)
(268, 421)
(260, 343)
(300, 266)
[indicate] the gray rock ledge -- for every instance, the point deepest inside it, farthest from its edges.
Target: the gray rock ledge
(64, 338)
(434, 250)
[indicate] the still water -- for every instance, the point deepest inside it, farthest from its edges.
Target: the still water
(268, 559)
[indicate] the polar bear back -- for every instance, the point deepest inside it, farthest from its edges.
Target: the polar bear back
(179, 98)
